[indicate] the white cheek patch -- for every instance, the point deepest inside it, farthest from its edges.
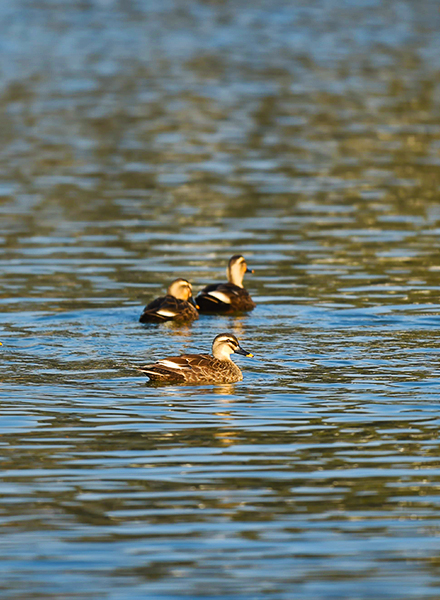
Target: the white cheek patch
(165, 313)
(170, 363)
(220, 296)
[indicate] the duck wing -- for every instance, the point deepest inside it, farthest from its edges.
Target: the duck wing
(186, 367)
(167, 308)
(224, 297)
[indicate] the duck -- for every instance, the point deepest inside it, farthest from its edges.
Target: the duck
(178, 305)
(228, 297)
(200, 368)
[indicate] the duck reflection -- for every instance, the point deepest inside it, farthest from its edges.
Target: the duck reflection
(225, 434)
(181, 330)
(237, 325)
(227, 390)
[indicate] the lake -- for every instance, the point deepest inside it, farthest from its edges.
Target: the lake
(144, 141)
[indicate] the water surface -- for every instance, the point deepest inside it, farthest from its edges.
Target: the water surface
(144, 141)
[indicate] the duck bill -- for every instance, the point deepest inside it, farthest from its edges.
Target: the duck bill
(249, 270)
(243, 352)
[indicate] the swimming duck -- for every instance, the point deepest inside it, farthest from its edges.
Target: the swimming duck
(178, 305)
(200, 368)
(228, 297)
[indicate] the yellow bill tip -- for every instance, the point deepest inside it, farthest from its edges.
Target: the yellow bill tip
(250, 355)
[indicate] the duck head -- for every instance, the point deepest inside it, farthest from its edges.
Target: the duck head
(237, 267)
(225, 344)
(181, 289)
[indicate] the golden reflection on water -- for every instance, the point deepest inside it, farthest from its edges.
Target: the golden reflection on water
(226, 389)
(238, 327)
(227, 438)
(178, 330)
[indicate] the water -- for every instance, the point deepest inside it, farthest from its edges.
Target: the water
(144, 141)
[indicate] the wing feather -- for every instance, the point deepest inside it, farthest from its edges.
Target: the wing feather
(168, 308)
(225, 297)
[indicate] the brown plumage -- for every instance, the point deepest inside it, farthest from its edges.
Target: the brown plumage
(228, 297)
(178, 305)
(200, 368)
